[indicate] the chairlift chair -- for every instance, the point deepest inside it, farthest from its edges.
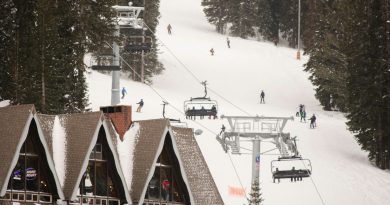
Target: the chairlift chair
(201, 106)
(137, 44)
(104, 61)
(292, 167)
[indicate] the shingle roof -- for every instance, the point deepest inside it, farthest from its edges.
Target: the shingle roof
(201, 182)
(150, 136)
(47, 122)
(80, 129)
(13, 121)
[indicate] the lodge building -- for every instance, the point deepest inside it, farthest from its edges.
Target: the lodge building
(99, 158)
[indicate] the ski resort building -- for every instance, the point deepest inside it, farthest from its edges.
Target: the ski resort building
(100, 158)
(27, 172)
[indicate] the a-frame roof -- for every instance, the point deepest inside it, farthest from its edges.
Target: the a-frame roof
(196, 175)
(81, 133)
(199, 177)
(15, 123)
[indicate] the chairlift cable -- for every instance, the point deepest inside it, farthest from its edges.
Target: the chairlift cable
(178, 110)
(193, 75)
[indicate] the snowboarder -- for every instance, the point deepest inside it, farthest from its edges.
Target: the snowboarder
(141, 104)
(303, 116)
(124, 92)
(262, 95)
(228, 42)
(169, 28)
(212, 51)
(313, 121)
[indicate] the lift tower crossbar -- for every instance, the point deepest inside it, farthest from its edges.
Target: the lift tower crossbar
(256, 129)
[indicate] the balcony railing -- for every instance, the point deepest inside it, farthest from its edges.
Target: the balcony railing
(96, 200)
(151, 202)
(28, 196)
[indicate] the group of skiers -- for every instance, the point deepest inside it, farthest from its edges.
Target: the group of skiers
(192, 113)
(302, 113)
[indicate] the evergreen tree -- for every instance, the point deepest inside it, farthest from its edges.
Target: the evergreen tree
(45, 48)
(328, 62)
(7, 38)
(242, 24)
(264, 21)
(369, 77)
(217, 13)
(255, 195)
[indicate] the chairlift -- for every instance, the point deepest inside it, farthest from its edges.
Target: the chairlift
(137, 44)
(106, 62)
(201, 106)
(292, 167)
(174, 122)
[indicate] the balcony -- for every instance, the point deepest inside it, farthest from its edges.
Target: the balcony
(27, 196)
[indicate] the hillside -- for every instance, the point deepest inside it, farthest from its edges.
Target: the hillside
(342, 173)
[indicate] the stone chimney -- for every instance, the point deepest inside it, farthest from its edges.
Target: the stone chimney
(120, 116)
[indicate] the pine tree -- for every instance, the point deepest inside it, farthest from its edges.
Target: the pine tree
(264, 21)
(217, 13)
(255, 195)
(328, 62)
(242, 24)
(368, 82)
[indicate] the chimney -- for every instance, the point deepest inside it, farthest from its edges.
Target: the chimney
(120, 116)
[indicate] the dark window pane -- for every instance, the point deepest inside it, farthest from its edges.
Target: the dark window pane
(154, 185)
(101, 178)
(17, 176)
(32, 173)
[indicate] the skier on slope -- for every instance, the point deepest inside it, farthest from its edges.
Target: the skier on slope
(212, 51)
(169, 28)
(124, 92)
(262, 95)
(313, 121)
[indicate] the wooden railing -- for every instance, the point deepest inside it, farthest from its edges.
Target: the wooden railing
(96, 200)
(151, 202)
(28, 196)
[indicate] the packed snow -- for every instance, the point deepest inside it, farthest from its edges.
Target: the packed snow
(342, 173)
(126, 152)
(59, 149)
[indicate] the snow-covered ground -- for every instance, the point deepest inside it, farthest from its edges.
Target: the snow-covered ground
(341, 172)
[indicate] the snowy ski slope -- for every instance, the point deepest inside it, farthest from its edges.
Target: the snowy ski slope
(341, 172)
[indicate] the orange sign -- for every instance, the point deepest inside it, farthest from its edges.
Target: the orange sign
(236, 191)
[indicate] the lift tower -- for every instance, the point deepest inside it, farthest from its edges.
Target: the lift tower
(255, 129)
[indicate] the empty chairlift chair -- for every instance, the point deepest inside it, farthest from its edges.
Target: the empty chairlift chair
(137, 44)
(104, 62)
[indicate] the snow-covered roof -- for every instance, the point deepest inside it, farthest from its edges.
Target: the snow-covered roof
(15, 122)
(145, 148)
(73, 137)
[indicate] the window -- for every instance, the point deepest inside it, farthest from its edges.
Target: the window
(167, 184)
(31, 179)
(100, 181)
